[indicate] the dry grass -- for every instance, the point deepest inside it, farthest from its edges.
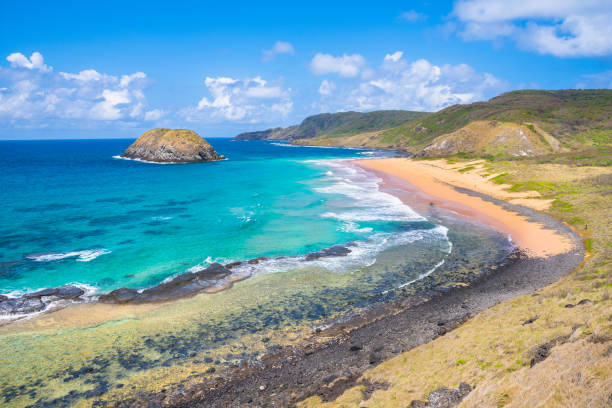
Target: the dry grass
(492, 351)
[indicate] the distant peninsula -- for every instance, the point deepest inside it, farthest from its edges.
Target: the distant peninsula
(171, 146)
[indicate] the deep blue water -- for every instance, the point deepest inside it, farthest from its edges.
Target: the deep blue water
(71, 213)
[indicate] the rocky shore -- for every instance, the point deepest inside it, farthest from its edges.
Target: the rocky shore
(213, 278)
(337, 356)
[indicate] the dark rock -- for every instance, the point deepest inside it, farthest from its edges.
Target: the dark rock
(448, 398)
(21, 306)
(530, 320)
(540, 353)
(569, 306)
(3, 298)
(255, 261)
(183, 285)
(69, 292)
(584, 302)
(122, 295)
(41, 293)
(355, 347)
(233, 265)
(64, 292)
(336, 250)
(211, 370)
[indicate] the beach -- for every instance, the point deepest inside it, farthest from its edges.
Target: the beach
(439, 183)
(258, 342)
(333, 360)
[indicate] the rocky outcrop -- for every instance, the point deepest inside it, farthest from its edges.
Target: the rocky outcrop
(171, 146)
(186, 284)
(37, 301)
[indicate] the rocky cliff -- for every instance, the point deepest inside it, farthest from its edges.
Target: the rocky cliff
(171, 146)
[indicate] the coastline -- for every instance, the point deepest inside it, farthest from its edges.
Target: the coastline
(334, 358)
(448, 189)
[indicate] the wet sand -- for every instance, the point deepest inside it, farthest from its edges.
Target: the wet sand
(441, 186)
(335, 359)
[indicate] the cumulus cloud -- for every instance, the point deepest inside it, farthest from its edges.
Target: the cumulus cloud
(249, 100)
(35, 62)
(280, 47)
(35, 96)
(412, 16)
(416, 85)
(563, 28)
(345, 66)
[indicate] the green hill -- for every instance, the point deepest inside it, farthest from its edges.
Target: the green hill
(576, 118)
(336, 125)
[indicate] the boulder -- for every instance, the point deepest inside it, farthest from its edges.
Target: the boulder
(171, 146)
(21, 306)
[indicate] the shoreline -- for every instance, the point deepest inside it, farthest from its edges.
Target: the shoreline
(335, 361)
(444, 189)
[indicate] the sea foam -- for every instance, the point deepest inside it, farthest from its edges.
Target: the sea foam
(81, 256)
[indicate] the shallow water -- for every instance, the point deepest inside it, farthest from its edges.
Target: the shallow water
(73, 214)
(153, 221)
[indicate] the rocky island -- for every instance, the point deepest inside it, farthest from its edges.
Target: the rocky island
(171, 146)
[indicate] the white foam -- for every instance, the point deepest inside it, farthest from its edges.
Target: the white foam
(161, 218)
(81, 256)
(202, 265)
(89, 296)
(371, 204)
(362, 254)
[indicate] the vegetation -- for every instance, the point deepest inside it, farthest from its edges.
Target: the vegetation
(513, 124)
(493, 351)
(577, 118)
(329, 125)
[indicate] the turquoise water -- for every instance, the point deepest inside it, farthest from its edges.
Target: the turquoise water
(74, 214)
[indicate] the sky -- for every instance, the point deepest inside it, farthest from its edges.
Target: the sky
(114, 69)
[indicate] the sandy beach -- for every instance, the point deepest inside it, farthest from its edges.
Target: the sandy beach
(548, 250)
(438, 182)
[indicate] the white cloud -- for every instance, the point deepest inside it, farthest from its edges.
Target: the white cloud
(327, 87)
(36, 61)
(280, 47)
(417, 85)
(602, 80)
(563, 28)
(345, 66)
(35, 96)
(248, 100)
(396, 56)
(83, 76)
(412, 16)
(154, 115)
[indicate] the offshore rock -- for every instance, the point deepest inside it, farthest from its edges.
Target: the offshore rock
(171, 146)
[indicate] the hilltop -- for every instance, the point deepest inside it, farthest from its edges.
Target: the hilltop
(171, 146)
(518, 123)
(330, 125)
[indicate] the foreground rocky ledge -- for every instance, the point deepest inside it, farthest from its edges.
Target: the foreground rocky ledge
(171, 146)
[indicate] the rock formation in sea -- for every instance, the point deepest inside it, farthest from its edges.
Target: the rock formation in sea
(171, 146)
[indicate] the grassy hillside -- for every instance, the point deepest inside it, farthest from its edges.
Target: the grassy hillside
(577, 118)
(329, 125)
(516, 123)
(570, 320)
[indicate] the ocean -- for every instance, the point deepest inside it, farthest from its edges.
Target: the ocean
(73, 213)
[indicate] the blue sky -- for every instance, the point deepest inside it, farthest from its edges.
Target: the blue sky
(115, 69)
